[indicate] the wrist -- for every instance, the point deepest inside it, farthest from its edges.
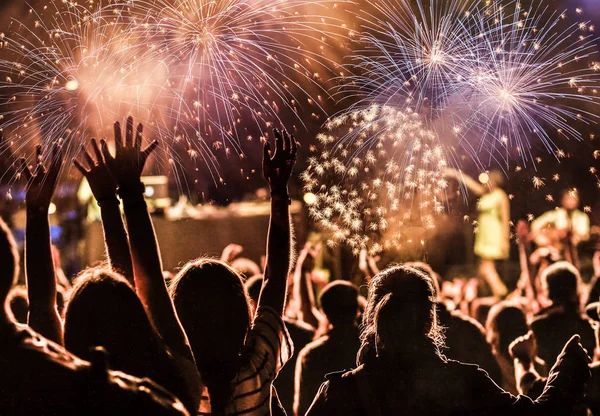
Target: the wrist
(279, 190)
(131, 190)
(134, 201)
(37, 210)
(524, 361)
(281, 197)
(108, 200)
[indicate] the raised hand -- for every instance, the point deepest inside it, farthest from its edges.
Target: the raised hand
(231, 252)
(41, 182)
(278, 165)
(573, 362)
(39, 268)
(307, 256)
(524, 348)
(103, 184)
(129, 160)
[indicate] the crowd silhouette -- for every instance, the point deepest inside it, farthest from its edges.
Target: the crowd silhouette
(120, 339)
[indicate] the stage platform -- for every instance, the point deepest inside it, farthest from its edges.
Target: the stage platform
(206, 234)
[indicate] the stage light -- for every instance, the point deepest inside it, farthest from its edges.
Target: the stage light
(51, 209)
(310, 198)
(484, 178)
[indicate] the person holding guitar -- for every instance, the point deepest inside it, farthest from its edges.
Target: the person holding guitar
(563, 228)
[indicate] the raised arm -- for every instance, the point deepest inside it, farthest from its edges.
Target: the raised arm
(528, 272)
(277, 168)
(471, 184)
(126, 167)
(104, 188)
(303, 289)
(39, 267)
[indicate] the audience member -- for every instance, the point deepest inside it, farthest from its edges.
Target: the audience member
(38, 377)
(300, 333)
(211, 340)
(402, 371)
(336, 350)
(239, 355)
(505, 323)
(554, 325)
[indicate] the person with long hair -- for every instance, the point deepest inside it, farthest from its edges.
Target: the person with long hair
(402, 369)
(506, 322)
(237, 354)
(132, 317)
(492, 240)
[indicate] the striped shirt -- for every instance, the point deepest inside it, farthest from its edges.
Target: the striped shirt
(268, 348)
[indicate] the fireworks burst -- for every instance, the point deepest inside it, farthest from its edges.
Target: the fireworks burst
(383, 175)
(193, 71)
(66, 75)
(495, 75)
(231, 61)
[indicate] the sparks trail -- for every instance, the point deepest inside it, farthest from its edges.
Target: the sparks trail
(494, 78)
(379, 173)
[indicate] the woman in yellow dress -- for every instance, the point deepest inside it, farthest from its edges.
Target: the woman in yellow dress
(492, 236)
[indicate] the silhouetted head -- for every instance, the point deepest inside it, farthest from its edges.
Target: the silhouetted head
(400, 321)
(505, 322)
(9, 261)
(104, 310)
(561, 283)
(339, 301)
(213, 308)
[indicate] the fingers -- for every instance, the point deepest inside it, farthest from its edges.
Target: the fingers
(266, 152)
(575, 344)
(138, 136)
(39, 168)
(129, 132)
(80, 167)
(118, 137)
(151, 147)
(57, 152)
(287, 141)
(105, 152)
(572, 343)
(96, 150)
(294, 150)
(88, 158)
(25, 169)
(278, 142)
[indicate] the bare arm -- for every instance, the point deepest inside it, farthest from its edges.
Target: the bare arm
(277, 168)
(471, 184)
(505, 218)
(303, 289)
(104, 188)
(126, 167)
(39, 267)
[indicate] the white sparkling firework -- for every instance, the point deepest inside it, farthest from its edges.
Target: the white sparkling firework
(231, 62)
(380, 173)
(498, 77)
(68, 75)
(193, 71)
